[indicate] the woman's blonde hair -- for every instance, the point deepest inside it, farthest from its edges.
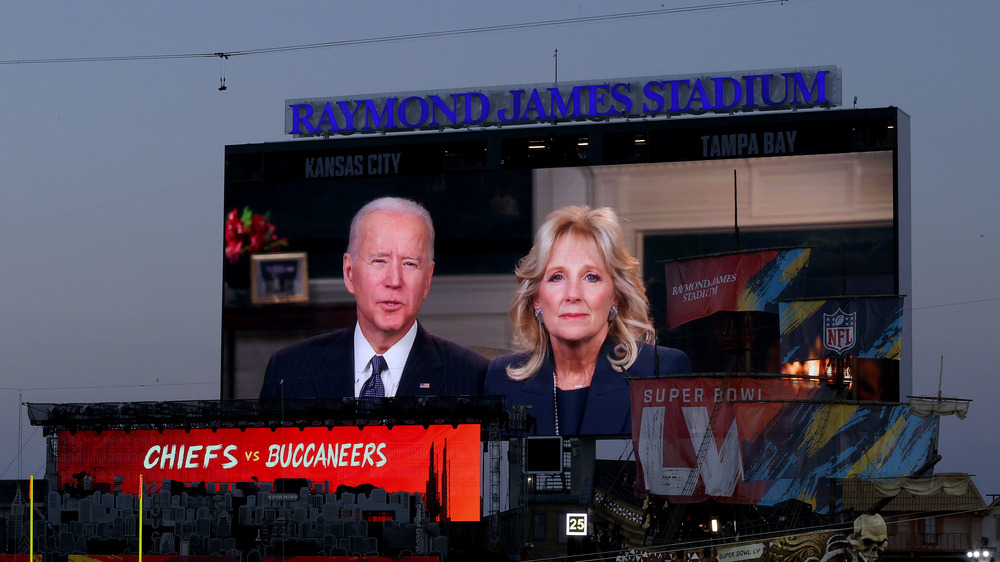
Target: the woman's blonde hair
(628, 328)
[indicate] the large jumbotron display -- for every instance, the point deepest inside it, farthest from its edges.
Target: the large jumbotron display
(823, 192)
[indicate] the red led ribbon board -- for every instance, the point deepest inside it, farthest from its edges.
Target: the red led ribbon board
(401, 459)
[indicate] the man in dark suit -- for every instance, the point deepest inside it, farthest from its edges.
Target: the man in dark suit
(387, 267)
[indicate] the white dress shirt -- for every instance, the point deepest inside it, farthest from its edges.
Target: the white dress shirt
(395, 358)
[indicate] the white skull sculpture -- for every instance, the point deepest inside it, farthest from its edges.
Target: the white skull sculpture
(869, 538)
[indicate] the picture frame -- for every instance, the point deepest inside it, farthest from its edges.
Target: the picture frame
(279, 278)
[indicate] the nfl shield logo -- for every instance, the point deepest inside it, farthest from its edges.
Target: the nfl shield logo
(838, 333)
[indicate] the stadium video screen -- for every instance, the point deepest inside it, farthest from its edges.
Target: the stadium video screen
(823, 181)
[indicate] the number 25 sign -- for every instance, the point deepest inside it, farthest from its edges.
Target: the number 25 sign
(576, 524)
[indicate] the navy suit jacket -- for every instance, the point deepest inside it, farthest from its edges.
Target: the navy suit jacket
(608, 410)
(323, 367)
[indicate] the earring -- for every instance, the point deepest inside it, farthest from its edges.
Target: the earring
(538, 312)
(613, 313)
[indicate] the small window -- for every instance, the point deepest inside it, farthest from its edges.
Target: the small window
(930, 530)
(539, 527)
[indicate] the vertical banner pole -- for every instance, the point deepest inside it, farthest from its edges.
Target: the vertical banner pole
(31, 518)
(736, 209)
(141, 493)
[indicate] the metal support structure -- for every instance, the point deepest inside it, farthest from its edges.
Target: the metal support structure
(51, 462)
(519, 423)
(493, 447)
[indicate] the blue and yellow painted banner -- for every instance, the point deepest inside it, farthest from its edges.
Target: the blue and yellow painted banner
(864, 327)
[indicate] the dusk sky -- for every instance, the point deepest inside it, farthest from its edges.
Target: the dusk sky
(111, 171)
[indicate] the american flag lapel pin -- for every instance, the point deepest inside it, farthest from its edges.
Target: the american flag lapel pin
(425, 385)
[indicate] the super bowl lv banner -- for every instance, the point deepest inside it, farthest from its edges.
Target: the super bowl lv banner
(745, 281)
(865, 327)
(769, 441)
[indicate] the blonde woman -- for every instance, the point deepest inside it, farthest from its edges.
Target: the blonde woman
(581, 323)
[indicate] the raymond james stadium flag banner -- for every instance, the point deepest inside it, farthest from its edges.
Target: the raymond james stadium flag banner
(401, 459)
(865, 327)
(499, 106)
(766, 445)
(746, 281)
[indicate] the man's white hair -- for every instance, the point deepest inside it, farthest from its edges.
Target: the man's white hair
(391, 205)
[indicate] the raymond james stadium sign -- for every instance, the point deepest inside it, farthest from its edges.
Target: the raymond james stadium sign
(572, 101)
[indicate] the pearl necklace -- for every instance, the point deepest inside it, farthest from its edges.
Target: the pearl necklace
(555, 397)
(555, 400)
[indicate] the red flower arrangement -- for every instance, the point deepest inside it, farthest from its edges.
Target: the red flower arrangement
(247, 233)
